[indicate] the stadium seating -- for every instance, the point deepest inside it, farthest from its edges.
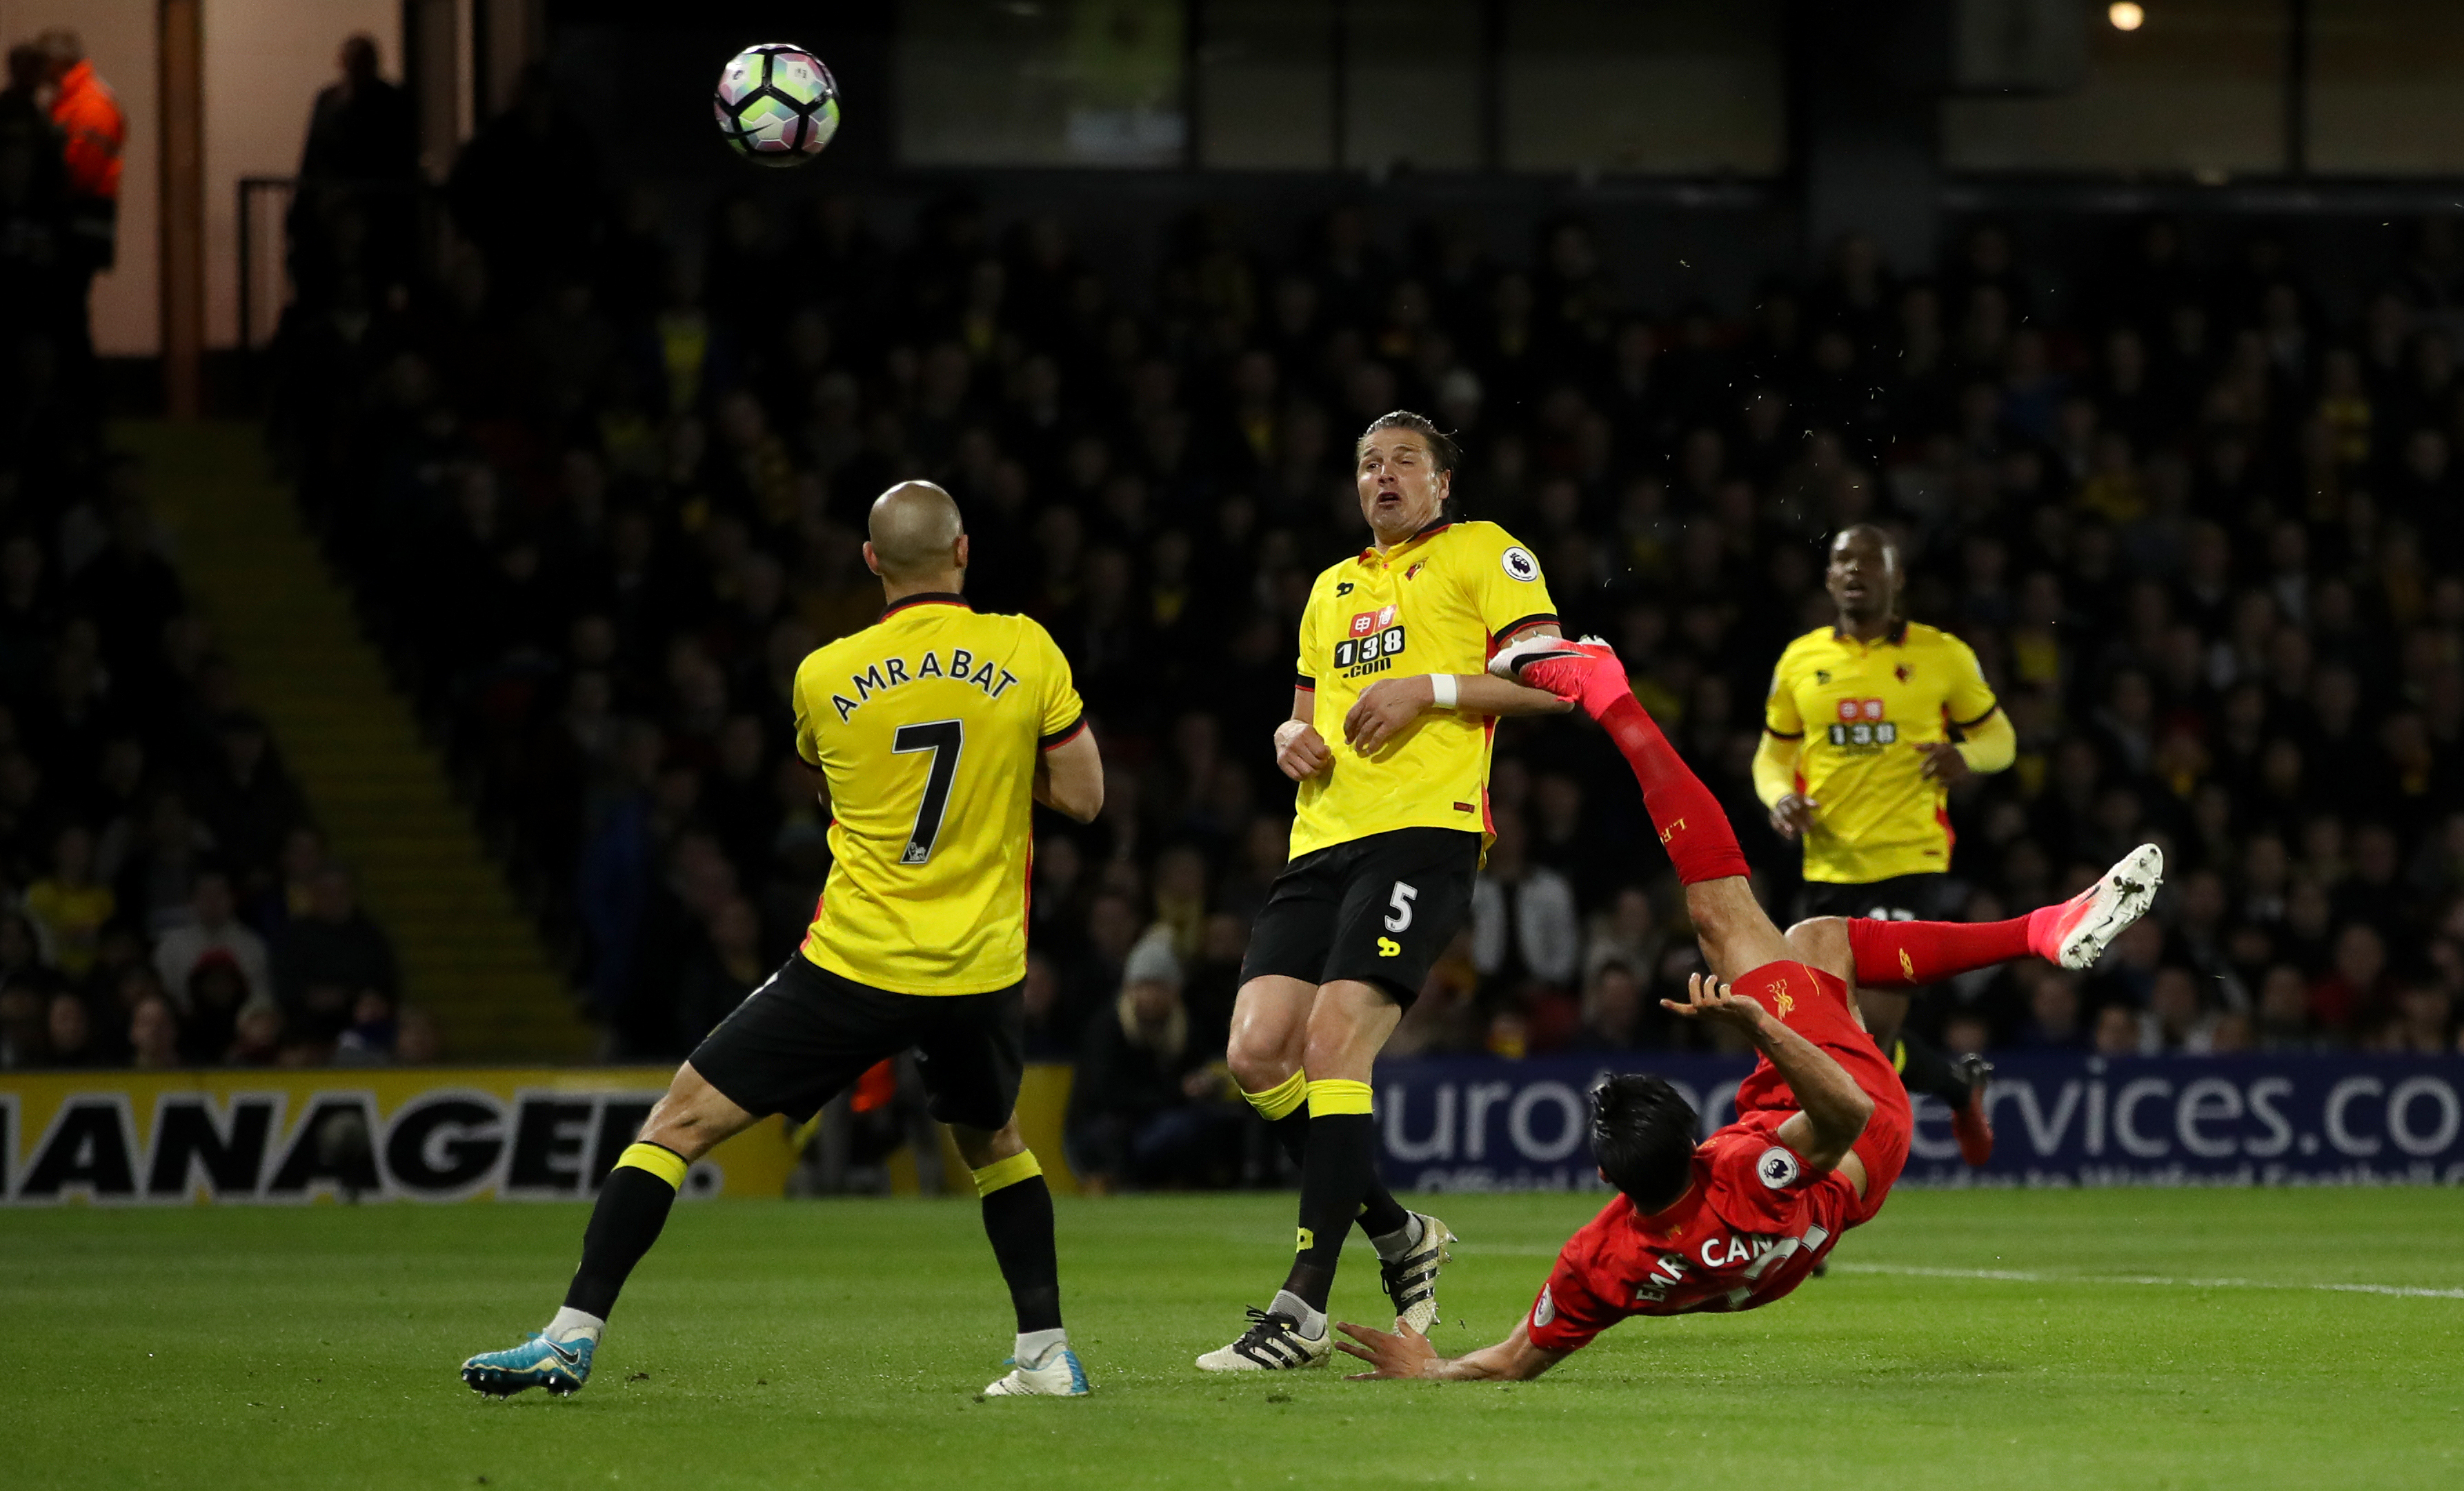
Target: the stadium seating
(2203, 536)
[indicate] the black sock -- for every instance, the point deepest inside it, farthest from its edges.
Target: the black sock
(1379, 1212)
(1341, 1166)
(632, 1207)
(1017, 1218)
(1924, 1068)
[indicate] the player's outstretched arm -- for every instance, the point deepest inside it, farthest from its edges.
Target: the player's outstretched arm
(1834, 1109)
(1408, 1354)
(1069, 778)
(1385, 707)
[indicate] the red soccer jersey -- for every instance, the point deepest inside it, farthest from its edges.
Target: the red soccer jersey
(1748, 1231)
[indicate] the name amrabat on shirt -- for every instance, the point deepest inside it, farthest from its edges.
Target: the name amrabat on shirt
(886, 673)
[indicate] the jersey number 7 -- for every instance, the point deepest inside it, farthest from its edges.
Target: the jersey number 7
(945, 739)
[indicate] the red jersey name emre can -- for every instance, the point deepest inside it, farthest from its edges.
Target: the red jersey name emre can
(1756, 1219)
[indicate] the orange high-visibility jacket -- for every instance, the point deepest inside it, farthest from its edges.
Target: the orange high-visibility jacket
(90, 116)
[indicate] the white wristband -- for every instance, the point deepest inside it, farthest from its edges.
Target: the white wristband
(1445, 691)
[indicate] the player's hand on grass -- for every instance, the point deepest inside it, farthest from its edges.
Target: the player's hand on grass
(1382, 710)
(1942, 762)
(1708, 998)
(1300, 751)
(1393, 1354)
(1792, 815)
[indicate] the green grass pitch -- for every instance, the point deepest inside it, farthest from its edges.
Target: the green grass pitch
(2155, 1339)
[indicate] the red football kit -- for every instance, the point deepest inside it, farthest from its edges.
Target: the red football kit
(1756, 1220)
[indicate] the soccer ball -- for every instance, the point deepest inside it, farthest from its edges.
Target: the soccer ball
(777, 104)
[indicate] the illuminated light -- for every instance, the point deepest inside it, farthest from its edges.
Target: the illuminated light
(2125, 15)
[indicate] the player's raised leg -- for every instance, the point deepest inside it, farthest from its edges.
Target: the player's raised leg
(1732, 928)
(633, 1208)
(1018, 1219)
(2072, 933)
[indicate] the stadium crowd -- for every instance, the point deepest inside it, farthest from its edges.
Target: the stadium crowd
(600, 475)
(165, 899)
(2205, 541)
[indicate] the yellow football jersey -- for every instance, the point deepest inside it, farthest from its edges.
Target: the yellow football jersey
(928, 726)
(1863, 709)
(1442, 601)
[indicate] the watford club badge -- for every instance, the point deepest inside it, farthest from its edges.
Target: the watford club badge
(1903, 672)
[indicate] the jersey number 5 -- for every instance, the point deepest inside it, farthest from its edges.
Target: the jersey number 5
(945, 739)
(1401, 901)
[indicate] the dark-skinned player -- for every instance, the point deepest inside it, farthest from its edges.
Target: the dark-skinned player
(1870, 722)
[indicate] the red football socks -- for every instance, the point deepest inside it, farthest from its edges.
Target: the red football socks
(1908, 954)
(1692, 826)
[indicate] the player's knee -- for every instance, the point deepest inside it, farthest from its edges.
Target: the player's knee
(1822, 942)
(1257, 1061)
(982, 1147)
(1346, 1030)
(1266, 1041)
(692, 1117)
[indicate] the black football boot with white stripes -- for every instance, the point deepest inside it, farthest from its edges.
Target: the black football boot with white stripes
(1411, 1280)
(1272, 1343)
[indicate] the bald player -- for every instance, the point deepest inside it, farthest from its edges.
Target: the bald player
(933, 729)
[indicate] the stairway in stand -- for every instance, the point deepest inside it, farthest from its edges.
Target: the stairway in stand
(469, 954)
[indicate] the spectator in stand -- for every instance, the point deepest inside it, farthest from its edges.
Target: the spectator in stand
(1614, 1019)
(257, 1038)
(1148, 1110)
(333, 944)
(2208, 627)
(69, 904)
(247, 800)
(69, 1033)
(214, 926)
(356, 171)
(23, 1040)
(370, 1040)
(1525, 937)
(93, 129)
(153, 1035)
(214, 995)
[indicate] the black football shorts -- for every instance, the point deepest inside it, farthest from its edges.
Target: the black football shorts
(807, 1034)
(1378, 909)
(1902, 898)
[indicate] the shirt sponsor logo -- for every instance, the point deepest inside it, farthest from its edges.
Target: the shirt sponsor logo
(1860, 725)
(1519, 564)
(1777, 1168)
(1369, 648)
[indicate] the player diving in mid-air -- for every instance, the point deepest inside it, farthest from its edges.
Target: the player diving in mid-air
(1738, 1220)
(932, 728)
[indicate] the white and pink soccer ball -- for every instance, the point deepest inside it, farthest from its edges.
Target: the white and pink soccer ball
(777, 104)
